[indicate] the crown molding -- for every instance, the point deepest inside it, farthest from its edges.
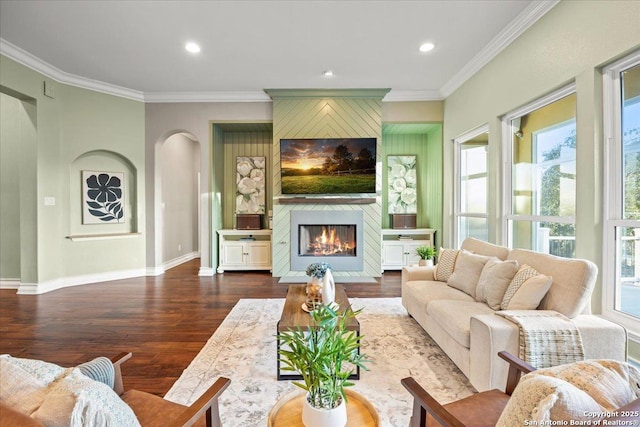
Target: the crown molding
(25, 58)
(216, 96)
(523, 21)
(412, 95)
(328, 93)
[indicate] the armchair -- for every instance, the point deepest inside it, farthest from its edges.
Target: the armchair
(485, 408)
(152, 410)
(149, 409)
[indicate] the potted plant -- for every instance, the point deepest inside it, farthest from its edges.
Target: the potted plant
(325, 354)
(426, 254)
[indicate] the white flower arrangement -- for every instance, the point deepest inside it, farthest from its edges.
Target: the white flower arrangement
(402, 194)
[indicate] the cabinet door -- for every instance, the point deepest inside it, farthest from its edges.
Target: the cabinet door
(259, 254)
(233, 254)
(393, 254)
(412, 255)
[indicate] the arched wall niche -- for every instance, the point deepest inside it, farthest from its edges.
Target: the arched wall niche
(103, 161)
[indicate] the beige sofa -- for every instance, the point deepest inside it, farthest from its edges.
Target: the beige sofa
(470, 332)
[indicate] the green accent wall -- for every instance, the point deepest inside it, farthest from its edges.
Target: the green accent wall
(326, 114)
(247, 144)
(425, 142)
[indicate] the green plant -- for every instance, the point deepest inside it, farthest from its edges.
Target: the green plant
(426, 252)
(325, 354)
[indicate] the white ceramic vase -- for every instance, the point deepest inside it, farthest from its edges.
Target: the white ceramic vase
(314, 417)
(328, 288)
(425, 263)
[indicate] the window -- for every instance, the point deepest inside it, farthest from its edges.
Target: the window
(471, 216)
(540, 202)
(621, 272)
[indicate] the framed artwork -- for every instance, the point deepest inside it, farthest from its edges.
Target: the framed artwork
(402, 182)
(102, 197)
(250, 185)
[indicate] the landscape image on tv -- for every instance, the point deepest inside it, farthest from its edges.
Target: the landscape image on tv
(328, 166)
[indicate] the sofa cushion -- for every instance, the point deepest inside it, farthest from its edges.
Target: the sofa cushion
(454, 316)
(573, 281)
(494, 281)
(426, 291)
(446, 264)
(483, 248)
(467, 271)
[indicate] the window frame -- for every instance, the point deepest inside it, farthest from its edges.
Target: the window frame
(457, 189)
(613, 196)
(508, 216)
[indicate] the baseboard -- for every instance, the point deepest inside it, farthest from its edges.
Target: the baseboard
(206, 271)
(180, 260)
(52, 285)
(9, 283)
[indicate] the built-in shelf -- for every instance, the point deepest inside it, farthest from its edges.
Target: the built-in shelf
(104, 236)
(328, 200)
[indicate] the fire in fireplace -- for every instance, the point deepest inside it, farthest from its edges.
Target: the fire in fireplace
(327, 240)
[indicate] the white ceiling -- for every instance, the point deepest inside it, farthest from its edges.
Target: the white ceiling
(136, 48)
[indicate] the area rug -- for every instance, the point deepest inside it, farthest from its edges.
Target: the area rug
(243, 348)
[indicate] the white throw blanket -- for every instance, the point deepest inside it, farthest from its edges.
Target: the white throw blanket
(547, 338)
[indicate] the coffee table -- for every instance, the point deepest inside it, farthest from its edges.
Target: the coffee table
(293, 316)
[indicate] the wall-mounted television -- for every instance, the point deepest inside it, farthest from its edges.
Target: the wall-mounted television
(328, 166)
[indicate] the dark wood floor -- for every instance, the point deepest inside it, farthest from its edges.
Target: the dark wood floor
(164, 321)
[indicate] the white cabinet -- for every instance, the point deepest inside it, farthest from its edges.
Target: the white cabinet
(244, 250)
(399, 246)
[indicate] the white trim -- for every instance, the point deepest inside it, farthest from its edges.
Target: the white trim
(28, 60)
(541, 102)
(206, 271)
(52, 285)
(9, 283)
(613, 198)
(457, 181)
(412, 95)
(180, 260)
(530, 15)
(214, 96)
(155, 271)
(507, 155)
(542, 218)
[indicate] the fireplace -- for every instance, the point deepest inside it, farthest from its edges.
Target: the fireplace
(335, 237)
(327, 240)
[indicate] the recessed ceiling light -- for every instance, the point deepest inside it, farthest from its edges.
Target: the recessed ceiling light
(192, 47)
(327, 73)
(426, 47)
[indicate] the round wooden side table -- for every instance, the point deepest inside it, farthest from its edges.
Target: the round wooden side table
(287, 412)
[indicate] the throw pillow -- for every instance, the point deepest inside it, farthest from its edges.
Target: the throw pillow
(76, 400)
(494, 281)
(467, 271)
(99, 369)
(446, 264)
(611, 383)
(540, 399)
(531, 291)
